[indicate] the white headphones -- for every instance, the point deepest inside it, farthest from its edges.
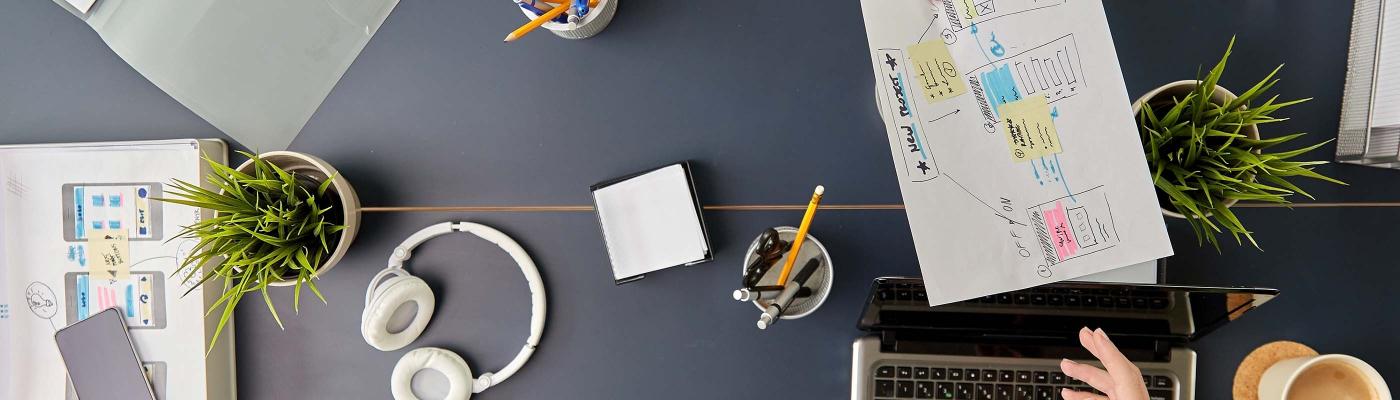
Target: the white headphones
(382, 298)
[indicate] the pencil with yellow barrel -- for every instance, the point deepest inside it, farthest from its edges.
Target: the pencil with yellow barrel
(801, 234)
(535, 23)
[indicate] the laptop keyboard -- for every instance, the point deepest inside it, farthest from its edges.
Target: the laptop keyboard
(898, 381)
(1107, 299)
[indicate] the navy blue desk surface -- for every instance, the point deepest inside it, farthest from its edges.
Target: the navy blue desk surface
(437, 111)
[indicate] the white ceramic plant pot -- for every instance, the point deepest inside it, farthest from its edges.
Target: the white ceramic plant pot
(319, 169)
(1181, 89)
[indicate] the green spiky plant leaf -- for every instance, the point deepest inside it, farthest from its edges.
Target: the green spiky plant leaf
(1200, 156)
(269, 225)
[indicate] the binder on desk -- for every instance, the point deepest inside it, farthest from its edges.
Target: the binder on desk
(1369, 133)
(651, 220)
(55, 198)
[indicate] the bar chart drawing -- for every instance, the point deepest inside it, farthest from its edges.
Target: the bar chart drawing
(1051, 71)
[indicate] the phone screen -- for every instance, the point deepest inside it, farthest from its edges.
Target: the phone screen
(101, 360)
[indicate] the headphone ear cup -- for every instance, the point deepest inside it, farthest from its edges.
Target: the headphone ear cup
(388, 298)
(374, 295)
(451, 365)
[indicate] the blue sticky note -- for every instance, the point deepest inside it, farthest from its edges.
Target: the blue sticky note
(82, 297)
(79, 226)
(130, 306)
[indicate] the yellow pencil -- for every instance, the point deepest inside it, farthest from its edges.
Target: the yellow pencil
(801, 234)
(535, 23)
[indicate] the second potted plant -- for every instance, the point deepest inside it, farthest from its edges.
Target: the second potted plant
(1205, 153)
(280, 219)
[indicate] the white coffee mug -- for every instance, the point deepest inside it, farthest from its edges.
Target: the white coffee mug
(1281, 378)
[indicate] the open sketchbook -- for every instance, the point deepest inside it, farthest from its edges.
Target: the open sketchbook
(1013, 139)
(61, 208)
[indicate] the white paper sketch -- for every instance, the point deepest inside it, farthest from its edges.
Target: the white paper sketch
(1027, 171)
(48, 280)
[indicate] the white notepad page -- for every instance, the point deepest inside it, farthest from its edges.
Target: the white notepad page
(650, 222)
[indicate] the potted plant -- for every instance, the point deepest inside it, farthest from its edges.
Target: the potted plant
(1205, 154)
(280, 219)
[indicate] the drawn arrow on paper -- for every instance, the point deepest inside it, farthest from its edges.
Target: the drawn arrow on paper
(944, 116)
(979, 200)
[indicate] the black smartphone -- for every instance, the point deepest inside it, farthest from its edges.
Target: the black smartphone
(101, 359)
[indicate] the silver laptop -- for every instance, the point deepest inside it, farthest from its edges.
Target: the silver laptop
(1008, 346)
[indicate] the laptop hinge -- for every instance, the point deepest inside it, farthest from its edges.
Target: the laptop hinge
(887, 341)
(913, 342)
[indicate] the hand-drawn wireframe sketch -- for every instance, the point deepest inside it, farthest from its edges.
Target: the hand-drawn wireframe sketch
(1029, 169)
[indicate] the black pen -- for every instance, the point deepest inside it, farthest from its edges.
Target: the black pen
(773, 311)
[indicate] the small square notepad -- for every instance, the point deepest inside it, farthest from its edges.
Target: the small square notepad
(651, 221)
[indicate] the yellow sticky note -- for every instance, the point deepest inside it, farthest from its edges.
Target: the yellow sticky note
(107, 253)
(966, 8)
(1030, 130)
(938, 77)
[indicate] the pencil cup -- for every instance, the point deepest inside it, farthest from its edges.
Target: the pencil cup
(819, 283)
(593, 23)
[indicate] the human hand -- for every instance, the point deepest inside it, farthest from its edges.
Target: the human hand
(1122, 381)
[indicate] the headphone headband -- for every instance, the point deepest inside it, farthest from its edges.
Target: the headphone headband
(527, 266)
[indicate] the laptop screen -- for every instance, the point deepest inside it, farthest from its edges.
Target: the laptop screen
(1058, 310)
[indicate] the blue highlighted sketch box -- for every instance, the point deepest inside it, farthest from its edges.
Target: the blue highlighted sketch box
(127, 205)
(140, 298)
(1052, 70)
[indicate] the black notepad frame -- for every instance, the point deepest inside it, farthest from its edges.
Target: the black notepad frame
(695, 202)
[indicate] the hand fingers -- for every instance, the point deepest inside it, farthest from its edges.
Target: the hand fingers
(1113, 360)
(1089, 374)
(1087, 339)
(1078, 395)
(1102, 348)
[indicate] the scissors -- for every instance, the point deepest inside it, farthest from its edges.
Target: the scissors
(770, 250)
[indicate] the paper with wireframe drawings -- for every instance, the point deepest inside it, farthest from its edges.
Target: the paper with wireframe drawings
(1034, 173)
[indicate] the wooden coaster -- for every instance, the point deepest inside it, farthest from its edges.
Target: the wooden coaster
(1253, 367)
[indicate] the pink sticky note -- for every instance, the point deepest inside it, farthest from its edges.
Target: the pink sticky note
(1060, 233)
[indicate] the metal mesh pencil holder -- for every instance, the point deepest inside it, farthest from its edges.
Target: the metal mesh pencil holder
(593, 23)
